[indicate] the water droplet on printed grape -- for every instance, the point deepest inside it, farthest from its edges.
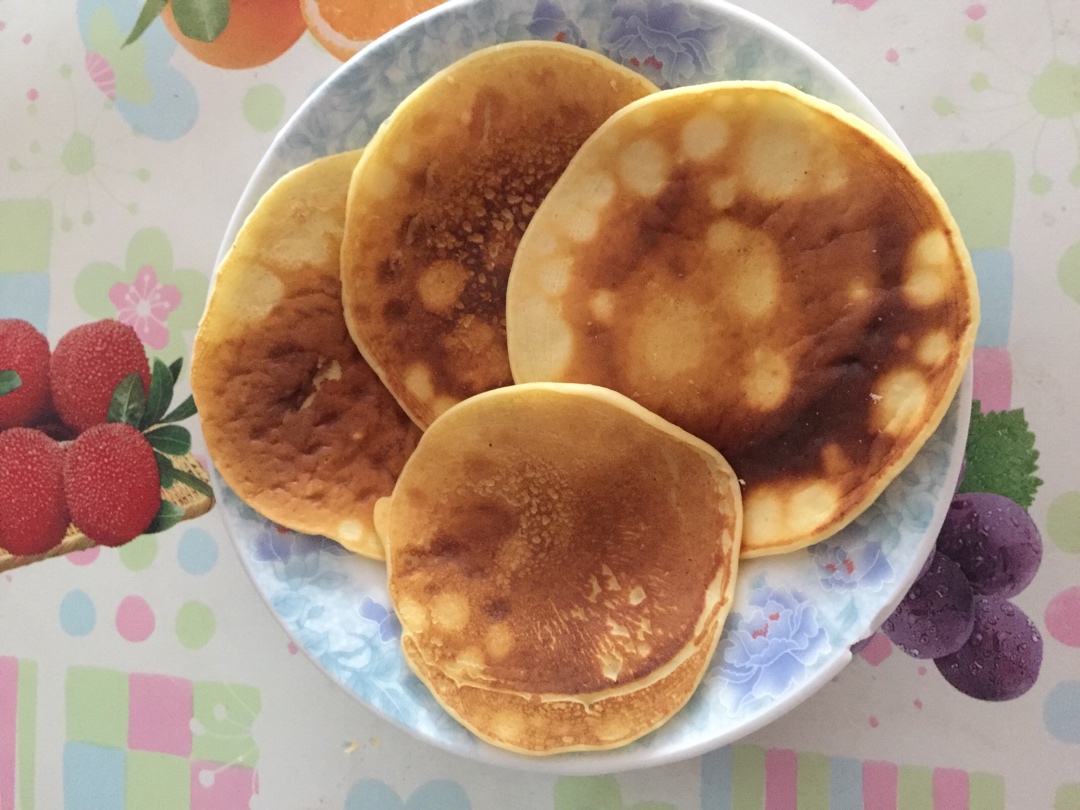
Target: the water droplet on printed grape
(927, 624)
(994, 540)
(995, 663)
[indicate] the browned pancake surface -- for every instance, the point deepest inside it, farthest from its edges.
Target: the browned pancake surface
(297, 422)
(760, 270)
(554, 540)
(440, 200)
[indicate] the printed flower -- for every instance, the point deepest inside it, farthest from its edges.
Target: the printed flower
(853, 562)
(151, 95)
(277, 544)
(861, 5)
(916, 495)
(160, 302)
(669, 44)
(770, 647)
(377, 672)
(273, 543)
(145, 306)
(550, 22)
(386, 619)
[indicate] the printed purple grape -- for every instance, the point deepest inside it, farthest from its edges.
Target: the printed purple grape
(1001, 659)
(936, 616)
(994, 540)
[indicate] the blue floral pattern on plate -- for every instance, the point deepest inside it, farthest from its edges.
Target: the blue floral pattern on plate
(794, 617)
(769, 644)
(383, 616)
(671, 43)
(550, 22)
(856, 563)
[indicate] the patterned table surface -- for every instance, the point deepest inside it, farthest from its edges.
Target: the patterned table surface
(155, 677)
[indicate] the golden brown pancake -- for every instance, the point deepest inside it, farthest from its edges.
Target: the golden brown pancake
(765, 271)
(563, 543)
(440, 199)
(298, 424)
(530, 724)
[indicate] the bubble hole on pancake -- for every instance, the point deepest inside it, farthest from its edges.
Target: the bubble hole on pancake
(297, 422)
(562, 543)
(767, 272)
(440, 199)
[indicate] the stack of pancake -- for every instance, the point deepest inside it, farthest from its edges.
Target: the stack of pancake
(561, 561)
(529, 343)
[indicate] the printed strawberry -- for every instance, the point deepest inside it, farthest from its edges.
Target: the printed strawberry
(33, 510)
(88, 364)
(112, 484)
(24, 373)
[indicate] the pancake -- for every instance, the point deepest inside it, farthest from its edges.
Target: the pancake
(297, 422)
(765, 271)
(530, 724)
(561, 543)
(440, 199)
(562, 524)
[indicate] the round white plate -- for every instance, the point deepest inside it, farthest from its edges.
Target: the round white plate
(795, 616)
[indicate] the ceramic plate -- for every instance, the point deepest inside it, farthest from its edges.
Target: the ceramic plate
(794, 617)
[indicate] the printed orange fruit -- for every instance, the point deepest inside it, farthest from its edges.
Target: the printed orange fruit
(259, 31)
(345, 26)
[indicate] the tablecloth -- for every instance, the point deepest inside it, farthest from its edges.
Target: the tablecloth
(155, 677)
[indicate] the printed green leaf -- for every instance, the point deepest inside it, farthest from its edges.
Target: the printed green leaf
(160, 396)
(166, 470)
(172, 440)
(175, 366)
(193, 481)
(203, 20)
(1001, 455)
(181, 411)
(9, 381)
(128, 401)
(150, 11)
(168, 516)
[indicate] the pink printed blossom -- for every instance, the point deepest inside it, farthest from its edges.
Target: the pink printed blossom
(145, 306)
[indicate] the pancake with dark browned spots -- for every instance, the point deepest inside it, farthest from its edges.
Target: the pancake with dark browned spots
(561, 542)
(768, 273)
(296, 421)
(440, 199)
